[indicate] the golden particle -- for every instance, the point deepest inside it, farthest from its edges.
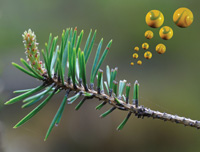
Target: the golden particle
(135, 55)
(183, 17)
(148, 55)
(145, 46)
(139, 62)
(154, 18)
(148, 34)
(136, 48)
(160, 48)
(166, 32)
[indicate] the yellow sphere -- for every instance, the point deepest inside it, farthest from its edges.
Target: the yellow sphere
(166, 32)
(135, 55)
(132, 63)
(148, 55)
(145, 46)
(139, 62)
(148, 34)
(183, 17)
(160, 48)
(136, 48)
(154, 18)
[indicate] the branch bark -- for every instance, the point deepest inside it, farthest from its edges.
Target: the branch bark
(139, 111)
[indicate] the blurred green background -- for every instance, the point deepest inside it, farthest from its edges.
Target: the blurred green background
(168, 82)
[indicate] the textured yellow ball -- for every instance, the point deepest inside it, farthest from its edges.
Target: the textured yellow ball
(154, 18)
(135, 55)
(136, 48)
(145, 46)
(183, 17)
(148, 34)
(166, 32)
(160, 48)
(139, 62)
(132, 63)
(148, 55)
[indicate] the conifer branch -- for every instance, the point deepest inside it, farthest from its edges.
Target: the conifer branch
(65, 68)
(139, 111)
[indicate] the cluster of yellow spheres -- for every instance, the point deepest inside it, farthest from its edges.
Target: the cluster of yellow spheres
(147, 54)
(155, 19)
(139, 62)
(182, 17)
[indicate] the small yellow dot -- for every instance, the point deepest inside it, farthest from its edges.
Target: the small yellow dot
(145, 46)
(132, 63)
(139, 62)
(160, 48)
(135, 55)
(148, 55)
(154, 18)
(136, 48)
(166, 32)
(183, 17)
(148, 34)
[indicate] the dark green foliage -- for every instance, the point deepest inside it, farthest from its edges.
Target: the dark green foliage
(31, 69)
(60, 70)
(34, 111)
(38, 95)
(24, 70)
(32, 102)
(73, 70)
(47, 65)
(121, 87)
(80, 103)
(96, 60)
(100, 105)
(99, 80)
(22, 91)
(135, 93)
(106, 85)
(80, 64)
(100, 61)
(73, 98)
(115, 86)
(58, 115)
(124, 122)
(108, 74)
(110, 78)
(83, 71)
(25, 95)
(107, 112)
(88, 52)
(128, 86)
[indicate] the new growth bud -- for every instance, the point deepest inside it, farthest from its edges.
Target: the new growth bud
(32, 52)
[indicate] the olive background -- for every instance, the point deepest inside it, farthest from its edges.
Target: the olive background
(168, 83)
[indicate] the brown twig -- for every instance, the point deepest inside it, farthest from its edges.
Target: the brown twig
(139, 111)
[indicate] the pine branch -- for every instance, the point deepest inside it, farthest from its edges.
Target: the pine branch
(68, 61)
(139, 111)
